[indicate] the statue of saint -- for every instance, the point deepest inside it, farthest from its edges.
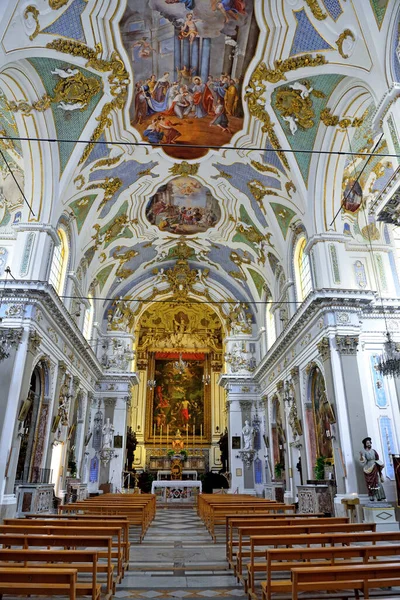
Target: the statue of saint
(372, 466)
(108, 435)
(224, 448)
(248, 436)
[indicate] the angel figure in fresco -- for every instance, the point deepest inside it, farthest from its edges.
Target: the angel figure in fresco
(189, 4)
(231, 9)
(189, 29)
(145, 48)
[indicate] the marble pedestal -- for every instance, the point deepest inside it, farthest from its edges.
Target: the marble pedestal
(275, 491)
(34, 498)
(314, 499)
(381, 513)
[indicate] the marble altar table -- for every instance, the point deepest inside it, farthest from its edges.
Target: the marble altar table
(176, 490)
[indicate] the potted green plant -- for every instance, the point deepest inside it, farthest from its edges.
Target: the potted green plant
(279, 468)
(184, 454)
(319, 469)
(170, 453)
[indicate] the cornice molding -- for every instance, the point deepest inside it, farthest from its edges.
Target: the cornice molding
(49, 229)
(318, 302)
(42, 294)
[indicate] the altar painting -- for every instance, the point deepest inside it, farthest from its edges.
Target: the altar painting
(183, 206)
(323, 415)
(188, 58)
(177, 402)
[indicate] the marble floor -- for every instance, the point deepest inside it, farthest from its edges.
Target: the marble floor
(178, 559)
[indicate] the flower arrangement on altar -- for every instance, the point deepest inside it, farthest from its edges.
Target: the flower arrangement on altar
(182, 454)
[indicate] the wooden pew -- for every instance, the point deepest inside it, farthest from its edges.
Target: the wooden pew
(345, 577)
(217, 514)
(11, 541)
(83, 561)
(253, 518)
(63, 522)
(283, 560)
(253, 537)
(262, 520)
(139, 510)
(82, 532)
(319, 540)
(45, 582)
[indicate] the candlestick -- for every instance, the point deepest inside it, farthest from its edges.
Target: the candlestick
(161, 440)
(167, 435)
(194, 430)
(201, 434)
(187, 435)
(154, 435)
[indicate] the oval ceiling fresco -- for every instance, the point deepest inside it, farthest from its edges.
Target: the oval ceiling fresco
(188, 58)
(183, 206)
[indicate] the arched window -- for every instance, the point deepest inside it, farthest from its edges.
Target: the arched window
(60, 262)
(270, 317)
(302, 270)
(88, 321)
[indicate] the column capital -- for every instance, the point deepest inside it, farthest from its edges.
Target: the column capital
(294, 373)
(279, 385)
(110, 401)
(324, 348)
(9, 338)
(34, 341)
(245, 406)
(347, 345)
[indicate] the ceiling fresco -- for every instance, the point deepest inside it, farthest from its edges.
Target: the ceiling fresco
(189, 59)
(133, 90)
(183, 206)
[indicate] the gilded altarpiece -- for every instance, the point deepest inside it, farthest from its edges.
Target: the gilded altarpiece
(180, 350)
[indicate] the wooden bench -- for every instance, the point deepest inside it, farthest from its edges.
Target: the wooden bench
(11, 541)
(318, 540)
(263, 520)
(365, 577)
(285, 559)
(253, 537)
(139, 510)
(81, 532)
(44, 582)
(217, 515)
(71, 522)
(83, 561)
(253, 518)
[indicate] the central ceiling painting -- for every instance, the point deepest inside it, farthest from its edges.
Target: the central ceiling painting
(183, 206)
(188, 58)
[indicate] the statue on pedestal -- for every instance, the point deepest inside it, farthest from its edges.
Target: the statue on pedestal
(248, 436)
(108, 435)
(372, 466)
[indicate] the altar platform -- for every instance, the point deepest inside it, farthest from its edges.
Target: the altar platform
(176, 491)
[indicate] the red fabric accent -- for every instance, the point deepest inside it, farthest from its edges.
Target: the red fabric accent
(208, 101)
(175, 355)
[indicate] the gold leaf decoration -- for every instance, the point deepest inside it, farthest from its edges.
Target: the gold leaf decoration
(289, 185)
(26, 108)
(32, 10)
(316, 9)
(56, 4)
(259, 191)
(106, 162)
(110, 186)
(331, 120)
(264, 168)
(118, 80)
(339, 42)
(79, 181)
(184, 168)
(257, 88)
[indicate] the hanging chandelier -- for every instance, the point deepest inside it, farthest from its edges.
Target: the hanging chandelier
(389, 362)
(180, 365)
(206, 379)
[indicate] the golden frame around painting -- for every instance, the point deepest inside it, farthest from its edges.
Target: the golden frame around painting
(178, 399)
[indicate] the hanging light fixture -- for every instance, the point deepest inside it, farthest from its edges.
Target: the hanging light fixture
(180, 365)
(389, 362)
(206, 378)
(151, 383)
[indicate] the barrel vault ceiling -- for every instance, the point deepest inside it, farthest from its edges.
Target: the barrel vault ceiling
(181, 221)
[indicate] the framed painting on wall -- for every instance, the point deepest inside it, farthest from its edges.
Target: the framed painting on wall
(179, 404)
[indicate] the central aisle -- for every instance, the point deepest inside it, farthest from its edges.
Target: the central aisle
(178, 559)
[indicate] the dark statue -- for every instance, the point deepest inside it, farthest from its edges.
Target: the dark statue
(224, 448)
(131, 443)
